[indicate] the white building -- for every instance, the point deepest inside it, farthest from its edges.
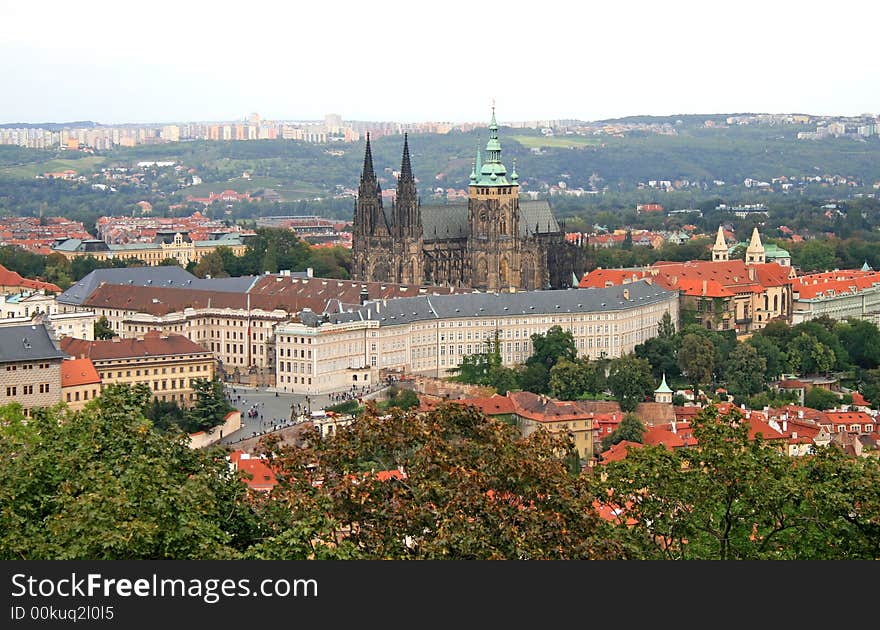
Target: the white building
(432, 334)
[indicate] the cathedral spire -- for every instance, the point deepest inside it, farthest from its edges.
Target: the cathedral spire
(368, 162)
(405, 166)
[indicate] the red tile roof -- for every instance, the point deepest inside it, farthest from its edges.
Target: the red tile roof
(13, 279)
(152, 344)
(490, 406)
(619, 451)
(859, 400)
(846, 281)
(848, 417)
(543, 409)
(261, 476)
(78, 372)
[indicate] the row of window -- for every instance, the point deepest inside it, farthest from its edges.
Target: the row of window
(26, 390)
(192, 368)
(85, 395)
(27, 366)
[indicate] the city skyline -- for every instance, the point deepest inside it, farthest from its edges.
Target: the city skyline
(380, 61)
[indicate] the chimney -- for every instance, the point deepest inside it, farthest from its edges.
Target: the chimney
(801, 414)
(673, 427)
(794, 435)
(751, 273)
(784, 426)
(705, 285)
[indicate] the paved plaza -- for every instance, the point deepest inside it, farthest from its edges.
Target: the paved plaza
(272, 410)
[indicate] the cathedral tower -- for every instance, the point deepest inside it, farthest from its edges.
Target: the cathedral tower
(493, 217)
(406, 215)
(369, 219)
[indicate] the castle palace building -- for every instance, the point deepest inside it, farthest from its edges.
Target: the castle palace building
(494, 242)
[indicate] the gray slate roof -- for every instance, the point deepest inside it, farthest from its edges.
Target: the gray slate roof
(427, 307)
(139, 276)
(159, 276)
(451, 220)
(27, 343)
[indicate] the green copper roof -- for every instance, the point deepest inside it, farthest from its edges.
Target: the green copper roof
(492, 172)
(664, 388)
(774, 251)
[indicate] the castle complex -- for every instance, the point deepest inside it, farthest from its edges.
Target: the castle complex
(494, 242)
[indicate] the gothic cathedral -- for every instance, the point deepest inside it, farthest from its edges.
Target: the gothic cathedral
(495, 242)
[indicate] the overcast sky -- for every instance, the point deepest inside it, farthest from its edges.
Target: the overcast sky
(163, 61)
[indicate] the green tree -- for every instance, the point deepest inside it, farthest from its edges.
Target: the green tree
(165, 414)
(745, 371)
(555, 345)
(821, 399)
(102, 329)
(696, 358)
(774, 358)
(102, 484)
(662, 353)
(629, 429)
(735, 498)
(466, 487)
(402, 398)
(212, 265)
(815, 255)
(807, 355)
(666, 327)
(568, 380)
(210, 408)
(630, 380)
(861, 340)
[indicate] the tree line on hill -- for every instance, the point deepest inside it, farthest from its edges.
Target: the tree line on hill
(104, 483)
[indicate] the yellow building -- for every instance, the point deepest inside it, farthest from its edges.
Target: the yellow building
(177, 246)
(167, 364)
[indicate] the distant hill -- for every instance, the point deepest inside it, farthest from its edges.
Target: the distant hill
(49, 125)
(685, 118)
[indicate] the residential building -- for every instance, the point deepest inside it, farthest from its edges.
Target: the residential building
(318, 353)
(839, 294)
(30, 367)
(178, 246)
(167, 364)
(720, 294)
(234, 318)
(533, 412)
(80, 383)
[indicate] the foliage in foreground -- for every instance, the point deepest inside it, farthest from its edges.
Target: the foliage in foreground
(731, 498)
(104, 483)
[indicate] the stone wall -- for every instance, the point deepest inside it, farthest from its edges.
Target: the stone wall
(206, 438)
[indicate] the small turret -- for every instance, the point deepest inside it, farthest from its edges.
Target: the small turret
(719, 249)
(755, 251)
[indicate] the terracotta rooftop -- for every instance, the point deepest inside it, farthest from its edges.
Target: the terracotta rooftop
(619, 451)
(490, 406)
(544, 409)
(78, 372)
